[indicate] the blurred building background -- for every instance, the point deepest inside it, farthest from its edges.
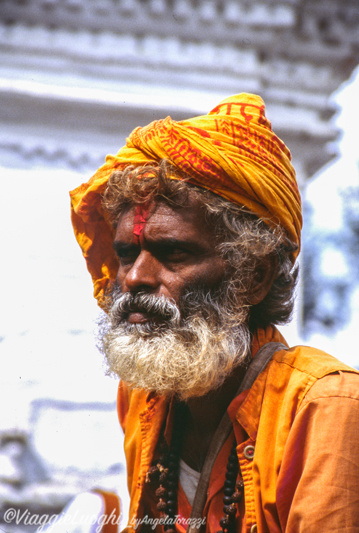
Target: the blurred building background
(76, 77)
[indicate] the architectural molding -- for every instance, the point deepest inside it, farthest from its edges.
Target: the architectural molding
(76, 77)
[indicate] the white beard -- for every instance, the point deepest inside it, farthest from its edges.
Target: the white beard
(185, 357)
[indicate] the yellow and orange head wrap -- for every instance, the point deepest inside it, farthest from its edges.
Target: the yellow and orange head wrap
(232, 151)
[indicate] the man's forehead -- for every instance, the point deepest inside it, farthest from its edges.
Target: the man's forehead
(140, 217)
(161, 219)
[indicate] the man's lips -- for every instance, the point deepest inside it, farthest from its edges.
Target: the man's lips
(138, 318)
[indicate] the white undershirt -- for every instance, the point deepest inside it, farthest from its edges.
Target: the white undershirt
(189, 480)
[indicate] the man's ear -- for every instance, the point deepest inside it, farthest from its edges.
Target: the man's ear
(263, 280)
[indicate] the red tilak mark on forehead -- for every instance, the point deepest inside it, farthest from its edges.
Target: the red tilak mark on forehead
(139, 221)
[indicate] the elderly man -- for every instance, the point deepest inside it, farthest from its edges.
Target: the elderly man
(191, 233)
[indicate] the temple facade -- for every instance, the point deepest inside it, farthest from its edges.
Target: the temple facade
(77, 76)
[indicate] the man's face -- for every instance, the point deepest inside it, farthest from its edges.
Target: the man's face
(162, 251)
(176, 326)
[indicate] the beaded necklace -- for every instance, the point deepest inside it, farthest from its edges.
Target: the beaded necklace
(164, 473)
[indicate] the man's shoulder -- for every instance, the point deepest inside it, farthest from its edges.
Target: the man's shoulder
(310, 361)
(294, 377)
(341, 385)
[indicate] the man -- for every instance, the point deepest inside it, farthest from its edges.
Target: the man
(191, 233)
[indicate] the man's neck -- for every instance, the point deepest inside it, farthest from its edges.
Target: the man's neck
(204, 416)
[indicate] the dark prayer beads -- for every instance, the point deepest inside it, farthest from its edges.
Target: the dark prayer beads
(232, 492)
(166, 472)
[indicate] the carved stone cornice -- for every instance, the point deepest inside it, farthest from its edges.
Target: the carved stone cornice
(77, 76)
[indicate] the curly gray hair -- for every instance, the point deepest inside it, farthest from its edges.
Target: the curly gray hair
(244, 240)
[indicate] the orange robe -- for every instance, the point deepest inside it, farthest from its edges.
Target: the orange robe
(302, 417)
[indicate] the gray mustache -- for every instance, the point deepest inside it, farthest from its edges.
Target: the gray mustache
(158, 307)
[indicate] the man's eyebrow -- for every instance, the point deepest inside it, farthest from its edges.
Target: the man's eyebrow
(159, 244)
(121, 247)
(173, 242)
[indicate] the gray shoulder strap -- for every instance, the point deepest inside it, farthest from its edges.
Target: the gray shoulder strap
(257, 365)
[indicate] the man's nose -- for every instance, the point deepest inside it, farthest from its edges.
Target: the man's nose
(144, 273)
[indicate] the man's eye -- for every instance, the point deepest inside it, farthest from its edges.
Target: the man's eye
(174, 254)
(126, 257)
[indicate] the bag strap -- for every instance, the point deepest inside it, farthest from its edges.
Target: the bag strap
(257, 365)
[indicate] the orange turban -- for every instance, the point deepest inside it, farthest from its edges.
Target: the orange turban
(232, 151)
